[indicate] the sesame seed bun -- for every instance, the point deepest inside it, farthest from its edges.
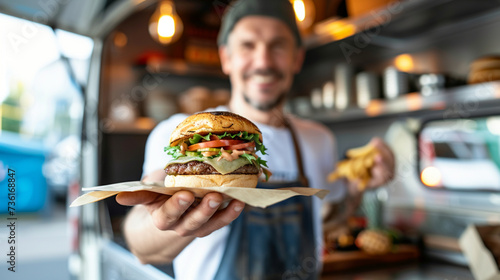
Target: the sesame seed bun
(212, 122)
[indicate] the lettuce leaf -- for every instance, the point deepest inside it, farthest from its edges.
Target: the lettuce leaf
(174, 152)
(254, 160)
(197, 138)
(258, 162)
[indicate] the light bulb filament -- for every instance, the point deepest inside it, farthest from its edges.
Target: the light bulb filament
(300, 9)
(166, 26)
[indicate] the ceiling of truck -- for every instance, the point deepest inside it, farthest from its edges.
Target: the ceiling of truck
(93, 17)
(71, 15)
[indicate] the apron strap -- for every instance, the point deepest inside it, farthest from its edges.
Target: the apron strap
(302, 177)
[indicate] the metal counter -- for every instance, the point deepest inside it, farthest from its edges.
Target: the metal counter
(423, 270)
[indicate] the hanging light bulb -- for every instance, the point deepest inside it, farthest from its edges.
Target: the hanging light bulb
(304, 12)
(165, 26)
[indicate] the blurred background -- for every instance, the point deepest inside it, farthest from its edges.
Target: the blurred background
(82, 84)
(42, 74)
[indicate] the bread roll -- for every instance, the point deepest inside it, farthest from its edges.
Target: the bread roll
(212, 122)
(213, 180)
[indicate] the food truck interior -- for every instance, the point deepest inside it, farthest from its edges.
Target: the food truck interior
(420, 74)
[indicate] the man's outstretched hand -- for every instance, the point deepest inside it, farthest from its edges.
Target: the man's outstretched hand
(175, 212)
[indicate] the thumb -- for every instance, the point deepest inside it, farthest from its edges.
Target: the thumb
(134, 198)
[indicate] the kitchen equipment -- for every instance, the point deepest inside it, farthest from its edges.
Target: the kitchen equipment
(431, 83)
(367, 88)
(344, 80)
(317, 98)
(160, 105)
(329, 95)
(302, 106)
(395, 83)
(123, 110)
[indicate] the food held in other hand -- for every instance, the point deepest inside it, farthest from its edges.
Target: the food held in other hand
(357, 166)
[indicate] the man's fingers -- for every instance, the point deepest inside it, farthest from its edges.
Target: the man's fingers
(165, 213)
(170, 212)
(222, 218)
(384, 150)
(197, 217)
(384, 168)
(138, 197)
(381, 174)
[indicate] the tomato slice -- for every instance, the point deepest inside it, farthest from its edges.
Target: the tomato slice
(240, 146)
(214, 144)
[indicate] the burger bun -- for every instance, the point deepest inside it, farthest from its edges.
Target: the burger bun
(212, 122)
(212, 180)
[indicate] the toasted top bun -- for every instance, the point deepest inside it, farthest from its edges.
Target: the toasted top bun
(212, 122)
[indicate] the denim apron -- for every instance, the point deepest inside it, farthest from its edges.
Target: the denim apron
(276, 242)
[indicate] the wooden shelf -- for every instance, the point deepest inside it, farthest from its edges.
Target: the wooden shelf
(341, 261)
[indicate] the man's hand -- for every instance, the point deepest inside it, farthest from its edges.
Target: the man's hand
(175, 212)
(171, 212)
(383, 169)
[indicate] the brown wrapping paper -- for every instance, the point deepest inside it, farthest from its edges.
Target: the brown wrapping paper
(252, 196)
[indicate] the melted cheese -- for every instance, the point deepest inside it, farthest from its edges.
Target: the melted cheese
(222, 166)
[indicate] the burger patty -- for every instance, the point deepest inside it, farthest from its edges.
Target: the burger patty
(201, 168)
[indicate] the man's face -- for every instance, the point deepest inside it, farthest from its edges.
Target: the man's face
(261, 58)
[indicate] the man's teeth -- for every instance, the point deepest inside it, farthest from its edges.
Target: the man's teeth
(263, 79)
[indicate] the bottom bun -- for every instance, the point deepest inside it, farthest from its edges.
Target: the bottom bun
(202, 181)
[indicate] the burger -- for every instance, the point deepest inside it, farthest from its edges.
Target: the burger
(215, 149)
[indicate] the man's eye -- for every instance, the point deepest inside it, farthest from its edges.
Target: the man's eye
(247, 46)
(278, 46)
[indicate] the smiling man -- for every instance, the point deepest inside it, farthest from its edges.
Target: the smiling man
(261, 51)
(261, 58)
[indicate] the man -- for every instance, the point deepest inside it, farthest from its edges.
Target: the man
(260, 49)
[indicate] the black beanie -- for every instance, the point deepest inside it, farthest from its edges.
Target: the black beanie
(279, 9)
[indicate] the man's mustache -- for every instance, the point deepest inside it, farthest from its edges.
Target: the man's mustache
(264, 72)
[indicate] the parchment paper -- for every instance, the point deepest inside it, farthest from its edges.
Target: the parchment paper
(252, 196)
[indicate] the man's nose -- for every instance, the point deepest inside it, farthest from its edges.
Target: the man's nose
(263, 58)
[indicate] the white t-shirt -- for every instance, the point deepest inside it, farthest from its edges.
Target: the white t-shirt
(201, 258)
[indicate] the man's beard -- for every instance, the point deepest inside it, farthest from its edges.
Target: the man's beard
(265, 107)
(268, 106)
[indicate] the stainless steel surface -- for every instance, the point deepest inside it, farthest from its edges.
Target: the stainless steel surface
(329, 95)
(431, 83)
(344, 86)
(456, 101)
(93, 18)
(122, 265)
(90, 234)
(395, 83)
(402, 21)
(367, 88)
(427, 270)
(444, 47)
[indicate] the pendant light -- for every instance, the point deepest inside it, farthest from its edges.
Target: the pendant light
(304, 13)
(165, 26)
